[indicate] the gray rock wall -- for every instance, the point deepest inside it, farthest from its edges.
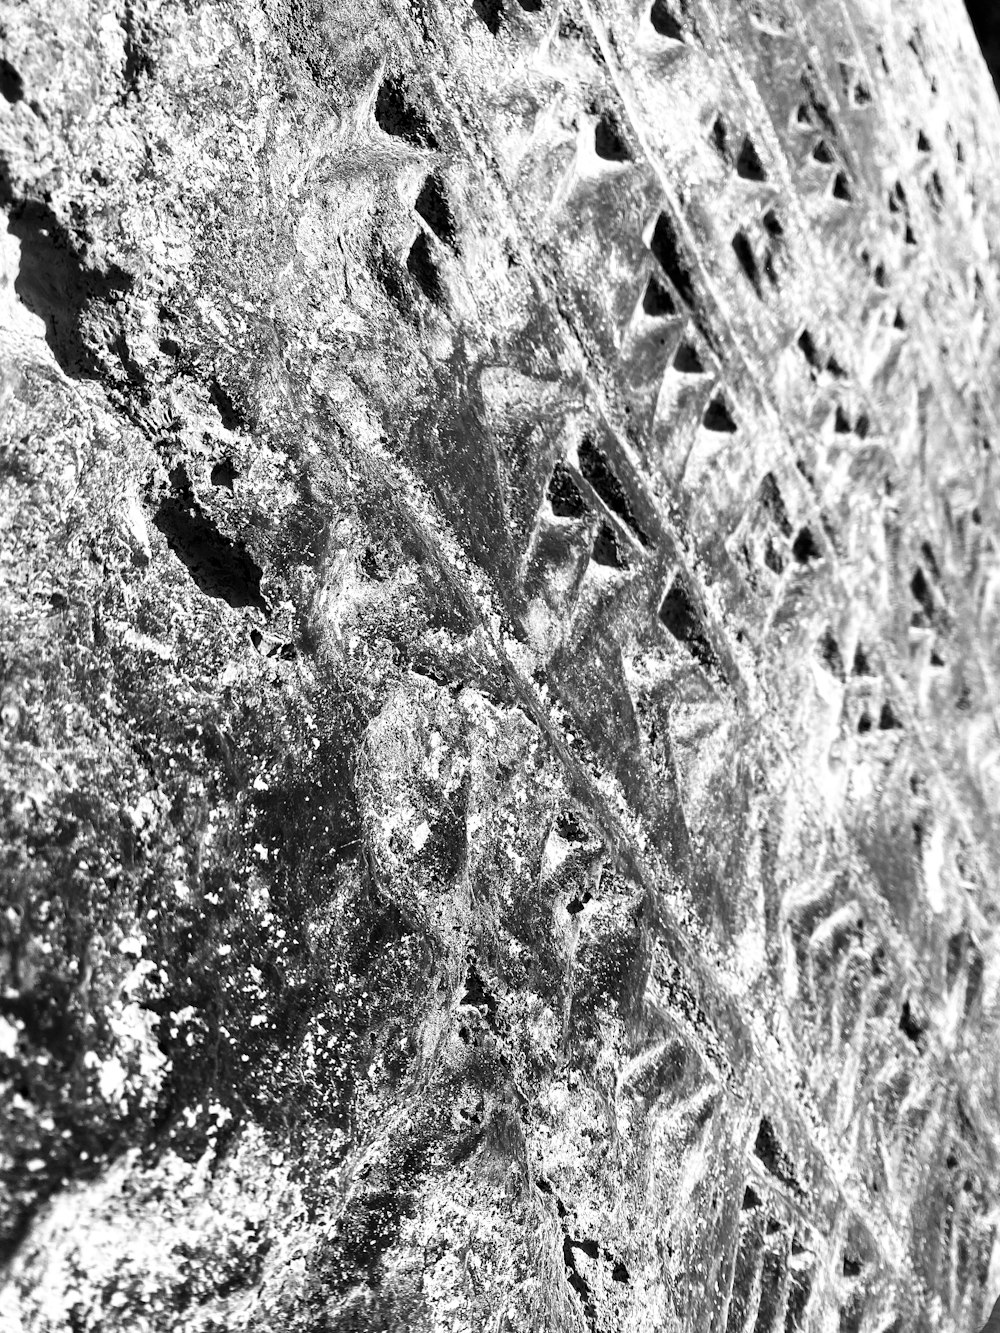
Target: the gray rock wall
(498, 685)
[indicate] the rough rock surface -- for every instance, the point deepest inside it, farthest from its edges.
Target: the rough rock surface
(499, 593)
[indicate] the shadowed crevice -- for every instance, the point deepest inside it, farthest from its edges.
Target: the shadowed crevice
(219, 566)
(55, 281)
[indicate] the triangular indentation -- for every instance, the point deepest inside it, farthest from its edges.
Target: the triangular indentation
(718, 416)
(748, 164)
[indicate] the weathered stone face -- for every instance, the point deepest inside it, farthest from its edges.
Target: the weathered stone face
(497, 666)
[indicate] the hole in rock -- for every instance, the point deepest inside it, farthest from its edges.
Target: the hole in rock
(11, 83)
(748, 164)
(564, 494)
(657, 302)
(596, 469)
(772, 224)
(608, 141)
(607, 550)
(830, 650)
(223, 475)
(475, 992)
(432, 205)
(804, 548)
(718, 416)
(720, 138)
(666, 249)
(744, 253)
(421, 267)
(887, 719)
(229, 414)
(219, 566)
(488, 12)
(395, 115)
(663, 21)
(681, 620)
(773, 1156)
(687, 361)
(808, 349)
(54, 280)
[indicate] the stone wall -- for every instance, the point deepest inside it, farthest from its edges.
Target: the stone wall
(499, 594)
